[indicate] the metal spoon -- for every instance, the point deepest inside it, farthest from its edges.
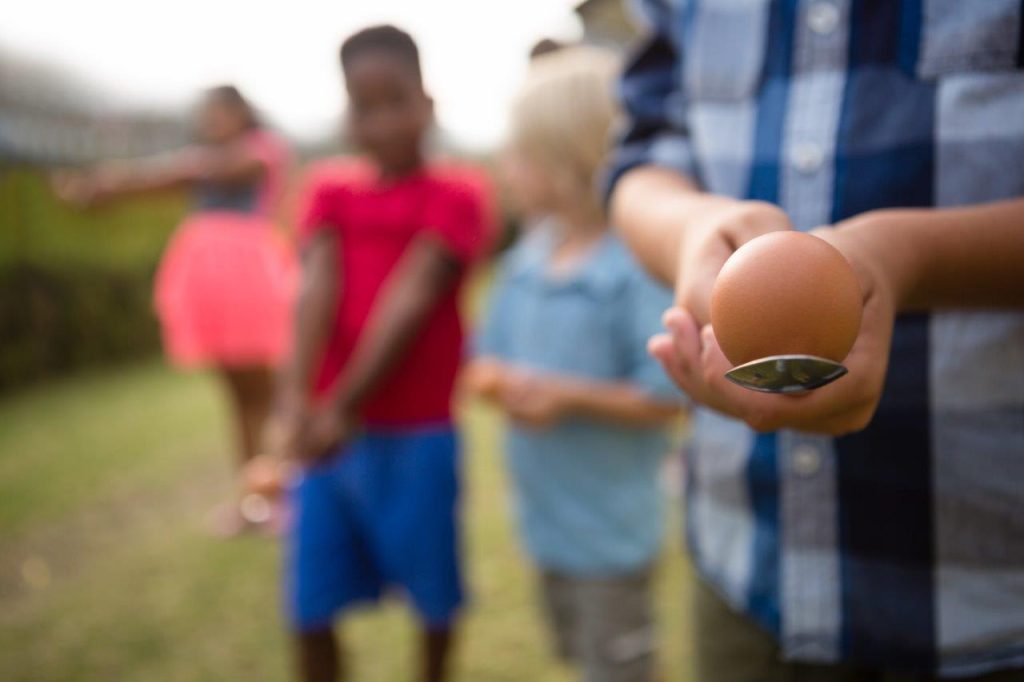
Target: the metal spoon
(786, 373)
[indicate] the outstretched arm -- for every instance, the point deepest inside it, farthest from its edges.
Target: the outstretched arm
(682, 235)
(233, 164)
(911, 259)
(965, 257)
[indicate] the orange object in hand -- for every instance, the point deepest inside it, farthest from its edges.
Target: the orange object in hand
(786, 293)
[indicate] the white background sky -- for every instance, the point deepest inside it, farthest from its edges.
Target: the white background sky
(283, 53)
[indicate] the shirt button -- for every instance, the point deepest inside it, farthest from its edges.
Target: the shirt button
(823, 17)
(806, 460)
(807, 157)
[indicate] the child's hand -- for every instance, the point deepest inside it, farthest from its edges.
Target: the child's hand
(713, 236)
(76, 188)
(532, 400)
(281, 434)
(266, 475)
(324, 432)
(485, 377)
(691, 356)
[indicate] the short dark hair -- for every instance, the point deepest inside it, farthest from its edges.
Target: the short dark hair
(384, 38)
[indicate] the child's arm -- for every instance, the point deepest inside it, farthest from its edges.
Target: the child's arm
(541, 400)
(485, 377)
(907, 260)
(965, 257)
(426, 271)
(314, 310)
(683, 236)
(235, 164)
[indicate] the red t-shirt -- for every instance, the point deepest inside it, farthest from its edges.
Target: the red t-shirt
(375, 222)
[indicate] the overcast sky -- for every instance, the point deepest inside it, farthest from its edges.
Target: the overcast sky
(283, 54)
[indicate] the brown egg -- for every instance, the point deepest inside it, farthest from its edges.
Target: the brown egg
(786, 293)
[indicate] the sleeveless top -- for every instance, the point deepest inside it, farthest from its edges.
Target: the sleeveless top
(258, 197)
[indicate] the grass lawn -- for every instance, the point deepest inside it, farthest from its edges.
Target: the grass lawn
(106, 574)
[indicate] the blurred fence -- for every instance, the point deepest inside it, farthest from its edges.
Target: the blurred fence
(74, 286)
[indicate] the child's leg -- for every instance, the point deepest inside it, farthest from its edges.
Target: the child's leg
(329, 566)
(616, 628)
(319, 656)
(250, 390)
(559, 605)
(415, 528)
(437, 644)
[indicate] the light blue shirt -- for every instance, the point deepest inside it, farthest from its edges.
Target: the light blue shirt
(587, 492)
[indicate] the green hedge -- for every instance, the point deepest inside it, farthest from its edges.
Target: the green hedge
(75, 287)
(53, 321)
(36, 228)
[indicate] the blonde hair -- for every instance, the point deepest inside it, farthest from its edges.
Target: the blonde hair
(564, 113)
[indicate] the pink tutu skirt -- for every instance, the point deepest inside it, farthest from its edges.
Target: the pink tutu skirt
(224, 291)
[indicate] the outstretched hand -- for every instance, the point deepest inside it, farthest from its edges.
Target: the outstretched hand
(690, 354)
(76, 188)
(716, 235)
(323, 433)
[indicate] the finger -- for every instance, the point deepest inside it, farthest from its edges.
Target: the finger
(694, 291)
(832, 409)
(680, 355)
(848, 403)
(713, 361)
(723, 394)
(685, 337)
(662, 348)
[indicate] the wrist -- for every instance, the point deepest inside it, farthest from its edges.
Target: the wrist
(569, 396)
(880, 240)
(344, 403)
(696, 210)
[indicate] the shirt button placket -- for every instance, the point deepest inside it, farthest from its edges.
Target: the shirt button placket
(806, 460)
(823, 17)
(807, 157)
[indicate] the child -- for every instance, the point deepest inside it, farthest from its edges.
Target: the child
(563, 353)
(225, 285)
(872, 529)
(387, 243)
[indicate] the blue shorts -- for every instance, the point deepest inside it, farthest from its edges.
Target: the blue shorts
(380, 514)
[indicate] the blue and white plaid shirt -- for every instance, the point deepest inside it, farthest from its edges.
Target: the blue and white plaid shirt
(901, 546)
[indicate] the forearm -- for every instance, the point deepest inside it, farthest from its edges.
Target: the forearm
(619, 402)
(229, 166)
(405, 304)
(484, 376)
(653, 209)
(117, 179)
(314, 311)
(312, 325)
(969, 257)
(382, 345)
